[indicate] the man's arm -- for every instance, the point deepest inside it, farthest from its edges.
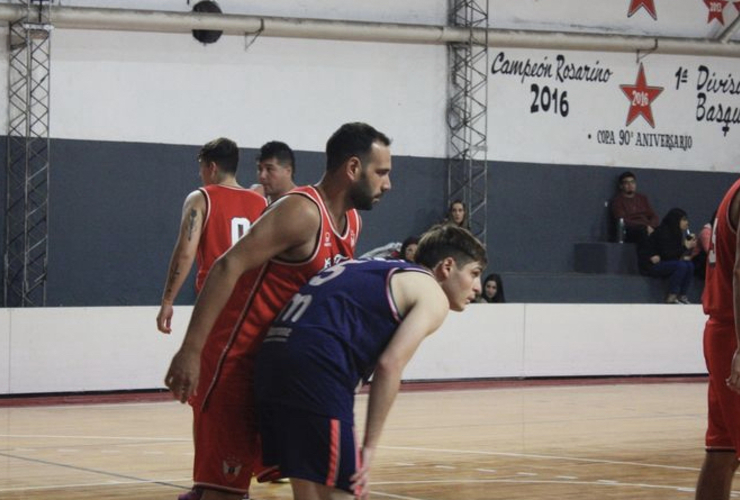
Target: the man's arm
(733, 381)
(183, 255)
(425, 307)
(653, 219)
(289, 225)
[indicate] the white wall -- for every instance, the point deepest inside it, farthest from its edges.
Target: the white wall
(168, 88)
(552, 340)
(118, 348)
(5, 351)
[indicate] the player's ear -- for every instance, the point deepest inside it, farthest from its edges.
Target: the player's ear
(443, 269)
(213, 170)
(353, 167)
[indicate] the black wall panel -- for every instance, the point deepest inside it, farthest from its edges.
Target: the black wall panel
(115, 210)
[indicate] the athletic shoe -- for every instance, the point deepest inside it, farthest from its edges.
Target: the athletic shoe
(683, 299)
(194, 494)
(197, 493)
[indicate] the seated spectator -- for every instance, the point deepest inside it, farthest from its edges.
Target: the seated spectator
(667, 253)
(408, 249)
(493, 290)
(699, 255)
(640, 220)
(457, 214)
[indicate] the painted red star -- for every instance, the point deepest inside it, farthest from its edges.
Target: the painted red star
(737, 5)
(648, 5)
(716, 7)
(641, 96)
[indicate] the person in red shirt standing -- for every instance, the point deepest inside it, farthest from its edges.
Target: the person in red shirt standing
(640, 220)
(721, 301)
(214, 217)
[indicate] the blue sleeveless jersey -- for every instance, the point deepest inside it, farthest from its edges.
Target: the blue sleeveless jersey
(329, 337)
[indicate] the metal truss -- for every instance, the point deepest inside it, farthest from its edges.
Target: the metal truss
(27, 202)
(467, 117)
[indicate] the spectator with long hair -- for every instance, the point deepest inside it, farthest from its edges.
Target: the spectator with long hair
(457, 214)
(667, 254)
(493, 290)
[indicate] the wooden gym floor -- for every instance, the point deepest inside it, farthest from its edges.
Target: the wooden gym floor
(603, 439)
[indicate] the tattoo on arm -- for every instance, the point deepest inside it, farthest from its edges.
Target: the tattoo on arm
(191, 223)
(174, 273)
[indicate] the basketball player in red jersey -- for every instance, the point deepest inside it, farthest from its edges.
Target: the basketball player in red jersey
(305, 231)
(214, 217)
(721, 302)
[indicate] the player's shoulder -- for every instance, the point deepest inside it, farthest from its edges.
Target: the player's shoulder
(291, 211)
(414, 276)
(196, 197)
(415, 286)
(253, 197)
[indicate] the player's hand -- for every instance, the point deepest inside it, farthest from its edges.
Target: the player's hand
(182, 377)
(164, 318)
(733, 381)
(360, 480)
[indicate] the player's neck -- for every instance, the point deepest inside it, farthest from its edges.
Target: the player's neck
(335, 200)
(228, 181)
(282, 193)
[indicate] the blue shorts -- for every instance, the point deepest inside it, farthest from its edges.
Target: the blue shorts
(307, 446)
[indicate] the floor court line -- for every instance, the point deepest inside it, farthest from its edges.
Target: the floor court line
(96, 438)
(537, 456)
(391, 495)
(536, 481)
(56, 487)
(130, 479)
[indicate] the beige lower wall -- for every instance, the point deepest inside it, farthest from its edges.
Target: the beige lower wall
(118, 348)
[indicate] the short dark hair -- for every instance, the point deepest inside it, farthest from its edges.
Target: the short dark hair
(352, 139)
(278, 150)
(445, 240)
(223, 152)
(625, 175)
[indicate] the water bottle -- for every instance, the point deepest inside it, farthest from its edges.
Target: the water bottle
(620, 230)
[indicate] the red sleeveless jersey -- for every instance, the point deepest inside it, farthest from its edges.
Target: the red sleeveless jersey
(230, 212)
(717, 298)
(277, 281)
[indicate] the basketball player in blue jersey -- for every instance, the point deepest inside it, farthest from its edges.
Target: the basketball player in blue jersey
(353, 320)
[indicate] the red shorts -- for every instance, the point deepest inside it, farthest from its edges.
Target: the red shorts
(227, 448)
(723, 429)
